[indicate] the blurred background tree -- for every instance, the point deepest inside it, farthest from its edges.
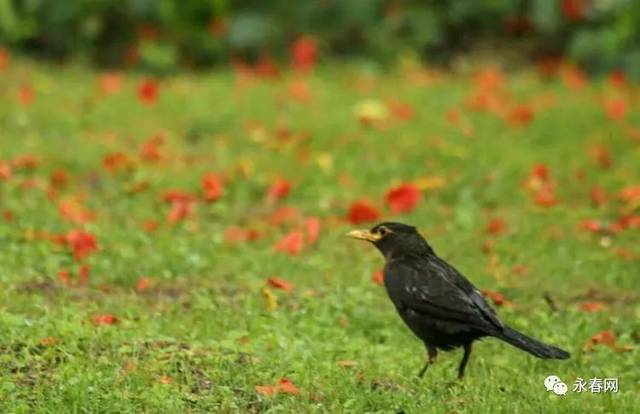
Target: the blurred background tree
(161, 35)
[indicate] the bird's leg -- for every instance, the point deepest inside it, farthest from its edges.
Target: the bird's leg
(433, 353)
(465, 359)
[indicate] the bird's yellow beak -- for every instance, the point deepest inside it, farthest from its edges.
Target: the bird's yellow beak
(364, 235)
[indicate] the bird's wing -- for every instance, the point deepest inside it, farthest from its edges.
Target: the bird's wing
(438, 290)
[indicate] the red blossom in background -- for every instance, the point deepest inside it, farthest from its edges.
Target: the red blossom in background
(235, 234)
(116, 161)
(279, 189)
(284, 214)
(5, 171)
(178, 196)
(574, 10)
(4, 59)
(541, 187)
(312, 227)
(212, 187)
(143, 284)
(520, 115)
(378, 277)
(110, 82)
(546, 196)
(180, 210)
(26, 162)
(304, 54)
(592, 225)
(73, 211)
(81, 242)
(403, 198)
(593, 306)
(601, 155)
(151, 149)
(362, 211)
(84, 272)
(400, 110)
(488, 79)
(284, 386)
(266, 68)
(59, 178)
(299, 90)
(278, 283)
(148, 91)
(292, 243)
(618, 79)
(496, 226)
(497, 298)
(598, 196)
(64, 277)
(104, 319)
(630, 194)
(616, 109)
(26, 95)
(574, 77)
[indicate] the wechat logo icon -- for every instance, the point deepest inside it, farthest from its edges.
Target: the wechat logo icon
(554, 384)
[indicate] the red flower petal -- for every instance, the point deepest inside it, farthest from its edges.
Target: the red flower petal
(266, 390)
(279, 283)
(607, 338)
(593, 306)
(286, 386)
(497, 298)
(403, 198)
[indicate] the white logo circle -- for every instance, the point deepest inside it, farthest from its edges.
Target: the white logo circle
(550, 381)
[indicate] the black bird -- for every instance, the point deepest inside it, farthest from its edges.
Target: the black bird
(437, 302)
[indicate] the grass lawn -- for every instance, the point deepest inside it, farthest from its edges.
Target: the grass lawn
(123, 289)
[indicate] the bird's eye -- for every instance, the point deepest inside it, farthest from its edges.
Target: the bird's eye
(382, 231)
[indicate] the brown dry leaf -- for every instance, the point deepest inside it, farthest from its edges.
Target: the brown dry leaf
(347, 363)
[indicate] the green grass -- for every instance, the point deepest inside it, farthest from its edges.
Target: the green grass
(201, 338)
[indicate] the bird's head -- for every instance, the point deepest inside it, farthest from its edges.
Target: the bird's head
(394, 239)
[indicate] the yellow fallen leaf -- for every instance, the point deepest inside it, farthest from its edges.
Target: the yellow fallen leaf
(270, 299)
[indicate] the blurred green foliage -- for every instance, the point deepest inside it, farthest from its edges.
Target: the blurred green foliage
(161, 34)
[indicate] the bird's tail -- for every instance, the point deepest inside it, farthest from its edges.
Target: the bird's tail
(531, 345)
